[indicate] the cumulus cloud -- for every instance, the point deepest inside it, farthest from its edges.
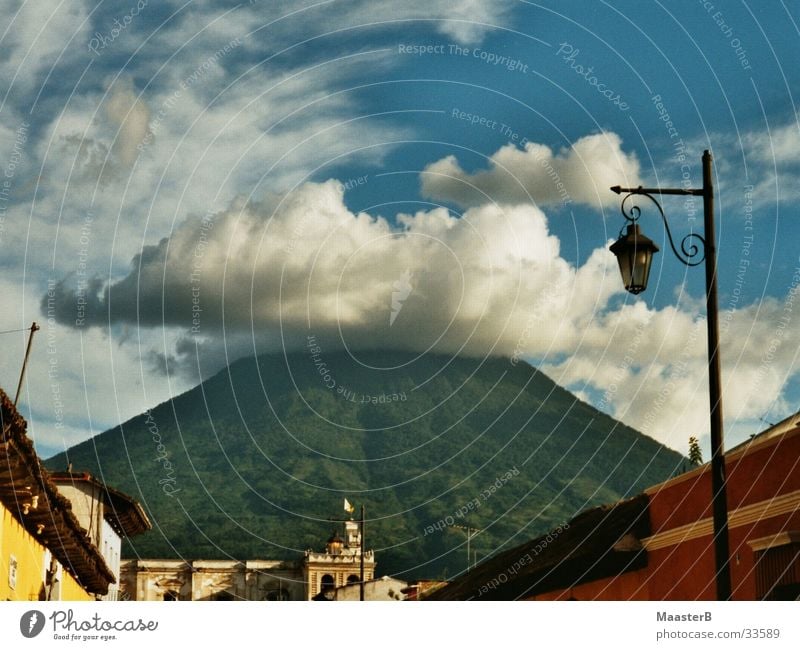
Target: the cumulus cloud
(307, 263)
(492, 282)
(650, 366)
(78, 382)
(298, 124)
(581, 173)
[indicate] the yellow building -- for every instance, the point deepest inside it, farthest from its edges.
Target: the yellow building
(29, 571)
(45, 554)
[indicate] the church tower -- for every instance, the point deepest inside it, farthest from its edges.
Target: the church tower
(339, 565)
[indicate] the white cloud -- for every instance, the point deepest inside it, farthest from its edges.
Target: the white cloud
(35, 35)
(582, 173)
(100, 198)
(651, 365)
(196, 155)
(78, 382)
(284, 269)
(766, 158)
(201, 30)
(309, 260)
(465, 21)
(780, 145)
(276, 267)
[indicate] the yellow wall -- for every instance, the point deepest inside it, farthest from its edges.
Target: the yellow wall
(71, 590)
(30, 556)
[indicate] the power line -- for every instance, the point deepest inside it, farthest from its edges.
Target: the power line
(24, 329)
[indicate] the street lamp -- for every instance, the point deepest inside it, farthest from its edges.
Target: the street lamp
(634, 253)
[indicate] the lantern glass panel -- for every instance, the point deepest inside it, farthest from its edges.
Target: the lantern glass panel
(634, 253)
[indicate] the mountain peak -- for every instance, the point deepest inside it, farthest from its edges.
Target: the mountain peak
(252, 462)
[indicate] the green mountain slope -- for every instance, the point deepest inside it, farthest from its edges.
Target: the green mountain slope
(254, 461)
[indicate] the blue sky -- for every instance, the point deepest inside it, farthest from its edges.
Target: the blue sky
(302, 158)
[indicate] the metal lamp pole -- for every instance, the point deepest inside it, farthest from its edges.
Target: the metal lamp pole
(689, 251)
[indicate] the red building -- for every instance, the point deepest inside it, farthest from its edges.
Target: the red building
(658, 546)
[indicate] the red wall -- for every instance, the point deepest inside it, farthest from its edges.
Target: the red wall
(628, 586)
(685, 571)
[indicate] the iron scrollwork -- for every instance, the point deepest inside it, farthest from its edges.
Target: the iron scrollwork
(693, 245)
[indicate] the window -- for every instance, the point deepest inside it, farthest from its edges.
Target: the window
(778, 567)
(352, 579)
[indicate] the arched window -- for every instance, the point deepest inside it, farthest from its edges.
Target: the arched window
(327, 582)
(352, 579)
(170, 595)
(277, 594)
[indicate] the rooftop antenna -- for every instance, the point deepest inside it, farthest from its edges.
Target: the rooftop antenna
(471, 532)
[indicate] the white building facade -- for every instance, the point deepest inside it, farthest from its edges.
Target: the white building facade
(315, 576)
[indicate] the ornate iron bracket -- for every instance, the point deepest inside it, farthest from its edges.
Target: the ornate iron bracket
(689, 246)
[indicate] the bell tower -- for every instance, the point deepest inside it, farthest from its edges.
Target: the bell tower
(338, 565)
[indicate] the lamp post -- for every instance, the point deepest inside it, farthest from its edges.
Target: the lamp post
(634, 254)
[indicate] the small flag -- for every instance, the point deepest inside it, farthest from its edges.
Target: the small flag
(348, 507)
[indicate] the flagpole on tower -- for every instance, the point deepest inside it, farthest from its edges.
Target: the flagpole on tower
(349, 508)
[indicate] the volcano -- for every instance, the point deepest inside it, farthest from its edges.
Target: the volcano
(256, 461)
